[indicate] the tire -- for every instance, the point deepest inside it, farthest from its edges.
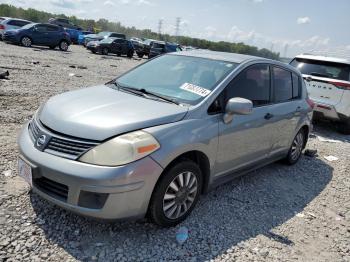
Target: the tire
(344, 127)
(140, 55)
(52, 47)
(93, 51)
(63, 45)
(26, 41)
(130, 54)
(296, 148)
(119, 54)
(104, 51)
(169, 207)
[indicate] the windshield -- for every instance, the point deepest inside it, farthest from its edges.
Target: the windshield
(186, 79)
(27, 26)
(103, 33)
(322, 68)
(108, 40)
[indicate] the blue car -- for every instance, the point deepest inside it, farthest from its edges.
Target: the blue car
(81, 37)
(39, 34)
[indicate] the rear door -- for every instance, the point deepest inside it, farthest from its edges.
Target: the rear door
(286, 109)
(321, 79)
(53, 34)
(116, 46)
(40, 35)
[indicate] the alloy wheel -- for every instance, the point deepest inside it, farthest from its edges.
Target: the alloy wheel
(297, 146)
(64, 46)
(180, 195)
(26, 41)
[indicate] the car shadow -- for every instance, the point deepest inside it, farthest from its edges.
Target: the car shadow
(328, 129)
(45, 48)
(252, 205)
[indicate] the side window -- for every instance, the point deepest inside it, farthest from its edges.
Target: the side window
(296, 86)
(118, 41)
(13, 22)
(41, 28)
(253, 84)
(51, 28)
(282, 83)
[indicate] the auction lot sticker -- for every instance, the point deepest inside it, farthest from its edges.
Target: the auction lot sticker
(195, 89)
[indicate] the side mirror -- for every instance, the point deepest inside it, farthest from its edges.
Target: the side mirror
(237, 106)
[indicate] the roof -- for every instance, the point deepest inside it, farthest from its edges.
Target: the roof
(324, 58)
(224, 56)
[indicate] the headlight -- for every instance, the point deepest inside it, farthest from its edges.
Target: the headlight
(122, 149)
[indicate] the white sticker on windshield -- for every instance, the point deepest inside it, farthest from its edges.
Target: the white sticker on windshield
(195, 89)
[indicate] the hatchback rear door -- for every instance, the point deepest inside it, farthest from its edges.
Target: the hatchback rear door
(322, 78)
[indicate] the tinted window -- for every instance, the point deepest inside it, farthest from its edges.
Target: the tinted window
(253, 84)
(322, 68)
(41, 28)
(118, 41)
(296, 86)
(17, 23)
(52, 28)
(282, 82)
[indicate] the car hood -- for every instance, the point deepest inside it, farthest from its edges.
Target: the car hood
(102, 112)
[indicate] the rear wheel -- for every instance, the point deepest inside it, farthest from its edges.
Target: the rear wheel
(140, 55)
(63, 45)
(26, 41)
(176, 194)
(296, 148)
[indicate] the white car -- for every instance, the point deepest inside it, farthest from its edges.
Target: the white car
(328, 83)
(7, 23)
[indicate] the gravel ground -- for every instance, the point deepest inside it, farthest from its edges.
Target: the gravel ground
(277, 213)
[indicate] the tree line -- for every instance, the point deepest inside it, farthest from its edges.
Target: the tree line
(105, 25)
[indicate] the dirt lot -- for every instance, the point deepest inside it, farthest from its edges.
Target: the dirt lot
(277, 213)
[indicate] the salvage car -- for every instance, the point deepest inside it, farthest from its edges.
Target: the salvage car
(39, 34)
(113, 45)
(64, 23)
(11, 23)
(328, 83)
(151, 141)
(159, 48)
(101, 35)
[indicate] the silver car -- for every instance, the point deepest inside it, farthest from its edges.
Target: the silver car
(156, 138)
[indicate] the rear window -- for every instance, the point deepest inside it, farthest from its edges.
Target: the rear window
(18, 23)
(322, 68)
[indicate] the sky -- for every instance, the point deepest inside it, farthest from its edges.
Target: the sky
(288, 27)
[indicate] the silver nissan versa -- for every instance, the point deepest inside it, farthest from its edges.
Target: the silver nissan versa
(154, 139)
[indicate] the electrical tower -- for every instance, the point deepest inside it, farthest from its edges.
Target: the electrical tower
(160, 25)
(177, 26)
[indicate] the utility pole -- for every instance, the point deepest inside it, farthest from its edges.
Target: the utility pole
(160, 25)
(177, 26)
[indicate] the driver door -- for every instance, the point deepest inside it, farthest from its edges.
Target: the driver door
(248, 138)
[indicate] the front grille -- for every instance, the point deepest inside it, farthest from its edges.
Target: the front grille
(52, 188)
(68, 147)
(60, 145)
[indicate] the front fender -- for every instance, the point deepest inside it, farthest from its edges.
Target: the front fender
(187, 135)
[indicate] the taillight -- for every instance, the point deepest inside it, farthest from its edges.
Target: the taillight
(2, 27)
(310, 102)
(340, 85)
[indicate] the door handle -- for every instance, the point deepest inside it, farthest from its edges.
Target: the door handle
(268, 116)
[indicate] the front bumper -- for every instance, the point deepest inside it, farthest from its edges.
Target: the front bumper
(127, 188)
(92, 48)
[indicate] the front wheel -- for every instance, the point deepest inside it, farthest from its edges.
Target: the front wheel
(140, 55)
(296, 149)
(63, 45)
(26, 41)
(105, 51)
(344, 127)
(176, 194)
(130, 54)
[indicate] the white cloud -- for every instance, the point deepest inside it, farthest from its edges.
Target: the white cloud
(348, 47)
(238, 35)
(109, 3)
(303, 20)
(257, 1)
(144, 2)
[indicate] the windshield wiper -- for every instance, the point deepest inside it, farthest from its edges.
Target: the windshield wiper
(142, 91)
